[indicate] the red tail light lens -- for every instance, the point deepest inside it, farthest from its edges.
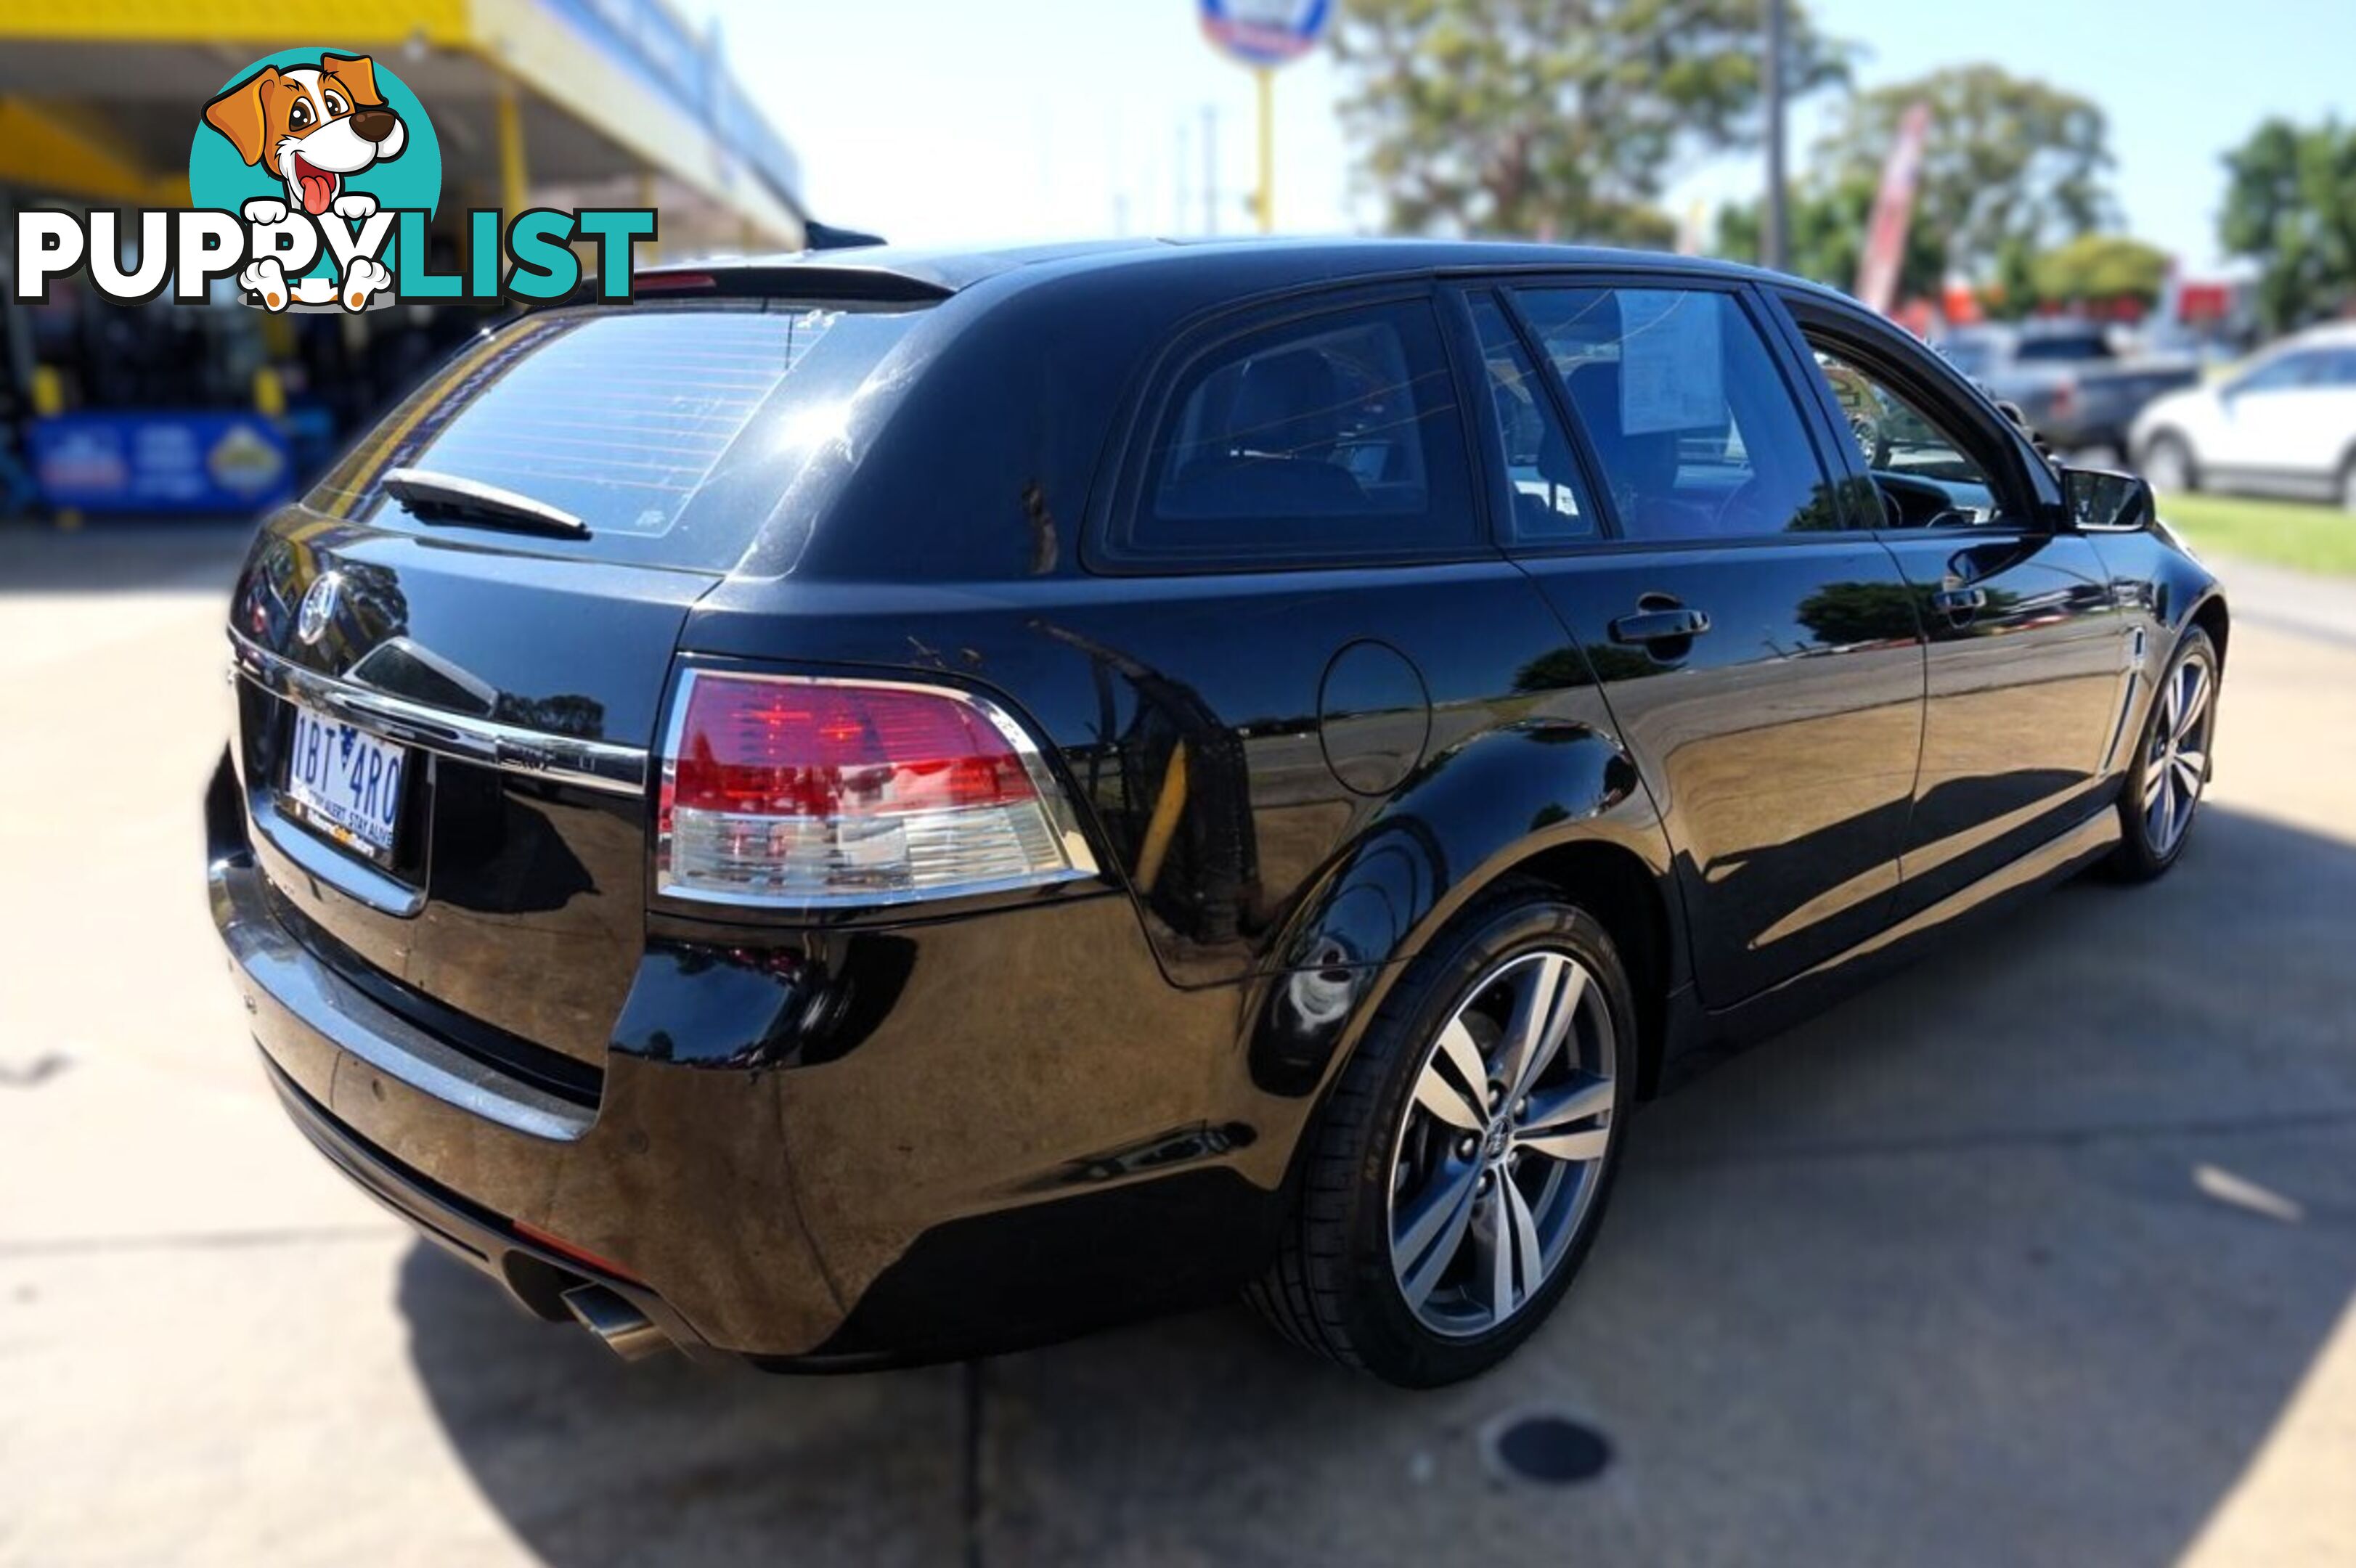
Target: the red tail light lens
(804, 793)
(799, 749)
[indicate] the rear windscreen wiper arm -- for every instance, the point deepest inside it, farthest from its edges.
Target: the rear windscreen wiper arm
(430, 494)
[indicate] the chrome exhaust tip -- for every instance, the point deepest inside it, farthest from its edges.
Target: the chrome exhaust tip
(627, 1331)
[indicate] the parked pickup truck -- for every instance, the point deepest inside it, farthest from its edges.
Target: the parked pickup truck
(2072, 387)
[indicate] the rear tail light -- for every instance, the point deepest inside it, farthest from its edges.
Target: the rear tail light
(2066, 397)
(792, 793)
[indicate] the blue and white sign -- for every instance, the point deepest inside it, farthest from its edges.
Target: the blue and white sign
(1266, 32)
(153, 461)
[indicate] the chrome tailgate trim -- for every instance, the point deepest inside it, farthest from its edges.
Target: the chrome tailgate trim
(600, 765)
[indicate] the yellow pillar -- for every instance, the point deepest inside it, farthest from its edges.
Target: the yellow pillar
(269, 392)
(512, 183)
(1266, 200)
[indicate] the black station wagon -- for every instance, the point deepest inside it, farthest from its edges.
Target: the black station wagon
(879, 806)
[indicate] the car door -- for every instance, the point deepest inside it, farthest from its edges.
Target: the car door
(2028, 658)
(1298, 605)
(2261, 438)
(2317, 424)
(1755, 644)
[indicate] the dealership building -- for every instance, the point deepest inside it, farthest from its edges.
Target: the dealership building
(165, 407)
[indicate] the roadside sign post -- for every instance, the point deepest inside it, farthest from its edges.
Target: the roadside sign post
(1264, 199)
(1264, 34)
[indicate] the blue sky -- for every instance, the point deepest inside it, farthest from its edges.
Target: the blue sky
(934, 121)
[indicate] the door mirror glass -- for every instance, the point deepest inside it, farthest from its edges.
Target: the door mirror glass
(2103, 502)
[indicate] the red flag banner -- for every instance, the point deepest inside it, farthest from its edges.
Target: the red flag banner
(1893, 210)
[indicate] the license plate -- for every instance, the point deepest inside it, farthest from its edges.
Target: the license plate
(344, 782)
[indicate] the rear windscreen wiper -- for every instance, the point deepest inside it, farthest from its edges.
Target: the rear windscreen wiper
(430, 494)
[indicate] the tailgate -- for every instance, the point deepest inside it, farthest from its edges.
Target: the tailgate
(510, 700)
(453, 653)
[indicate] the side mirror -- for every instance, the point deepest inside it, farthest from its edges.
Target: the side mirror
(2102, 502)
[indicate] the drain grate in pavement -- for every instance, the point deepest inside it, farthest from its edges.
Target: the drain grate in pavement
(1546, 1448)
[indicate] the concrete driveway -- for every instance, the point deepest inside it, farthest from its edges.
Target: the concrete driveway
(2041, 1253)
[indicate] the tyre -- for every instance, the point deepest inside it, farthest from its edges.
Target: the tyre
(1455, 1181)
(2171, 764)
(2168, 464)
(2348, 483)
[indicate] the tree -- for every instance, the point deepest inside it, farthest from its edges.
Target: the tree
(2010, 164)
(2099, 269)
(1562, 117)
(1844, 614)
(1827, 237)
(2290, 202)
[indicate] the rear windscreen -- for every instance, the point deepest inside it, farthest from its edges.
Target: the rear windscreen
(670, 430)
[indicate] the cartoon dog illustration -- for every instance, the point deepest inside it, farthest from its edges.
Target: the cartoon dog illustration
(310, 126)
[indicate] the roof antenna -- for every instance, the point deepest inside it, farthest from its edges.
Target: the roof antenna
(817, 236)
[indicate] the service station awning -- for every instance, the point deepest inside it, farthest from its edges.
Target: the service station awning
(575, 102)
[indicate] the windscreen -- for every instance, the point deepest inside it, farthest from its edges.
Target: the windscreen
(670, 430)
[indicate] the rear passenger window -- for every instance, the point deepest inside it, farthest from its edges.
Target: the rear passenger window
(1336, 438)
(1694, 428)
(1548, 497)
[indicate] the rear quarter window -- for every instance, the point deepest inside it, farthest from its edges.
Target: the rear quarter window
(670, 430)
(1330, 439)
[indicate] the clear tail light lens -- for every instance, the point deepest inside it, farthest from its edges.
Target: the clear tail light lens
(792, 793)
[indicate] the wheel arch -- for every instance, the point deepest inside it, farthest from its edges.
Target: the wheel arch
(1574, 816)
(1631, 900)
(2213, 617)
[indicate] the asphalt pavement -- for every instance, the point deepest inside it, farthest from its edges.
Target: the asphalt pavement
(2042, 1252)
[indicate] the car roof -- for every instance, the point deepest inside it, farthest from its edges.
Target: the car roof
(920, 272)
(2331, 334)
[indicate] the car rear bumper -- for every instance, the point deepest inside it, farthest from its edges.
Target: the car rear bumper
(535, 1276)
(939, 1190)
(540, 1193)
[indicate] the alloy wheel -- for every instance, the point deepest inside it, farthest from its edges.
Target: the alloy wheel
(1500, 1150)
(2176, 762)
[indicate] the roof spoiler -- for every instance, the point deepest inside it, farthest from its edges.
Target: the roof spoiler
(787, 279)
(827, 237)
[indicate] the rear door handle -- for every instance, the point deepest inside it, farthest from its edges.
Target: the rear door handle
(1960, 601)
(1659, 626)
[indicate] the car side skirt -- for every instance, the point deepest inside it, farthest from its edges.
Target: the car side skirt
(1710, 1037)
